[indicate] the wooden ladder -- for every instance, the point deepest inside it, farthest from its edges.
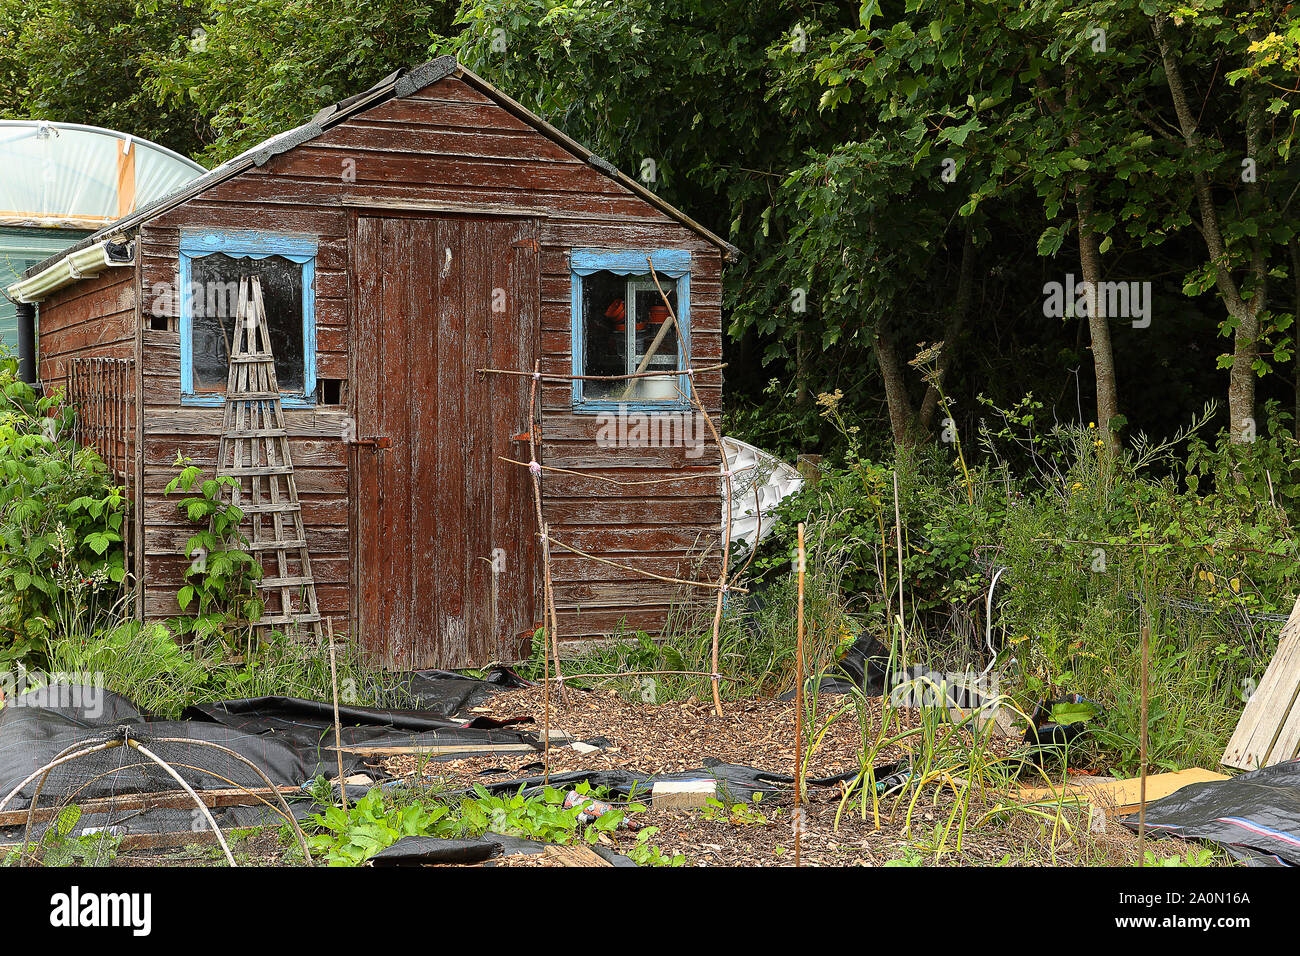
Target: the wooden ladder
(254, 450)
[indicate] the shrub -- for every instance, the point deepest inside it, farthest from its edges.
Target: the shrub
(1092, 544)
(61, 515)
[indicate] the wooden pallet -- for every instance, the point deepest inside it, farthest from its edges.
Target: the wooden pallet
(1269, 729)
(254, 450)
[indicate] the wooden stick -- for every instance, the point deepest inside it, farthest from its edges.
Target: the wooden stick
(610, 481)
(648, 574)
(535, 438)
(1142, 747)
(726, 534)
(548, 596)
(798, 707)
(898, 541)
(546, 713)
(557, 377)
(168, 799)
(573, 677)
(653, 350)
(338, 731)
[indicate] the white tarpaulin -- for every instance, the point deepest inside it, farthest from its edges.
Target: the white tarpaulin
(758, 483)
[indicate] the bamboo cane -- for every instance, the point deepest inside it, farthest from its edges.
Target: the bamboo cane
(726, 473)
(1142, 746)
(798, 708)
(338, 729)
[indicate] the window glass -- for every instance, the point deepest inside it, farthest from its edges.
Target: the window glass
(214, 296)
(622, 318)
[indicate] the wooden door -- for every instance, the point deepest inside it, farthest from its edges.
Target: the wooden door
(444, 536)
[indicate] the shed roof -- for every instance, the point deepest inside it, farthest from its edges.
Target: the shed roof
(401, 83)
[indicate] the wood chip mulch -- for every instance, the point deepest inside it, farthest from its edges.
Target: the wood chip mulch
(657, 738)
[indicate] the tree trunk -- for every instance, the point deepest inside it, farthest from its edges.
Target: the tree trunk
(1241, 375)
(901, 415)
(1103, 359)
(956, 318)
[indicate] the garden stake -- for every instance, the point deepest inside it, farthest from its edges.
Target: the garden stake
(726, 474)
(898, 542)
(548, 598)
(798, 708)
(1142, 758)
(338, 732)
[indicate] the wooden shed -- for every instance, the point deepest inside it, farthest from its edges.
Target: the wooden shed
(406, 239)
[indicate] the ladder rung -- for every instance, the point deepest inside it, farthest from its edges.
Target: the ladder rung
(259, 470)
(253, 397)
(283, 582)
(283, 508)
(253, 357)
(288, 619)
(259, 433)
(294, 545)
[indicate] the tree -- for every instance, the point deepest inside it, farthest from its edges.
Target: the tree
(256, 67)
(80, 62)
(1233, 162)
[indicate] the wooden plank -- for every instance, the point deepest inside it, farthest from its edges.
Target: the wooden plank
(522, 576)
(479, 247)
(395, 479)
(1119, 796)
(577, 855)
(449, 475)
(1269, 729)
(375, 750)
(171, 799)
(428, 238)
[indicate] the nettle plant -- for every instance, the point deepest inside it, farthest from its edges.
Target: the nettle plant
(222, 576)
(61, 558)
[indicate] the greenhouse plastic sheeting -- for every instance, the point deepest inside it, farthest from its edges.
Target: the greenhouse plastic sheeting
(1255, 815)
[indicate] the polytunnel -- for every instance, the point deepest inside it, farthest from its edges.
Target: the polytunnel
(63, 181)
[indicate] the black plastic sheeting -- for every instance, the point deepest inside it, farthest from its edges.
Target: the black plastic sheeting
(1255, 816)
(432, 851)
(735, 782)
(446, 693)
(289, 739)
(427, 850)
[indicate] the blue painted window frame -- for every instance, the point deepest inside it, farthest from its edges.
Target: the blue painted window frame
(258, 245)
(674, 264)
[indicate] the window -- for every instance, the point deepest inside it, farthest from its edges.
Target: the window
(212, 265)
(621, 326)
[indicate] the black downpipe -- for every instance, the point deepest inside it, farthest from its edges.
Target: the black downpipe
(27, 342)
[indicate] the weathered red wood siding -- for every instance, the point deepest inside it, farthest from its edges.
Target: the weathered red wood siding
(94, 318)
(448, 144)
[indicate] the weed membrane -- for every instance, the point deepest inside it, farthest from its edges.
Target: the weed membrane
(1255, 816)
(289, 740)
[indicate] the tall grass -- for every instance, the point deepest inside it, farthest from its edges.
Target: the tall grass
(148, 665)
(756, 640)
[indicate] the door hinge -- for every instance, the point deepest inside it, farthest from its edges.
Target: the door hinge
(530, 244)
(373, 442)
